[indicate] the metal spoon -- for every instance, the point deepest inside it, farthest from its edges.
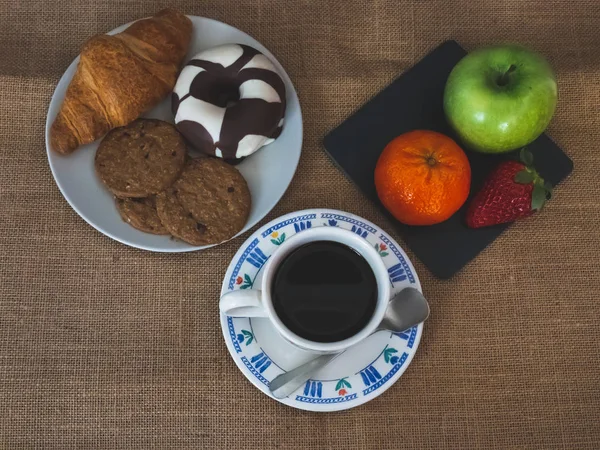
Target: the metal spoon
(405, 310)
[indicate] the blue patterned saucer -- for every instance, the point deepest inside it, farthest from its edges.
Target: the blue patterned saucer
(355, 377)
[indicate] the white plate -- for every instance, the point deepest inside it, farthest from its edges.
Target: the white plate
(357, 376)
(268, 172)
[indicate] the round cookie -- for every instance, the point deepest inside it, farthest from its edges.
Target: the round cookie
(208, 204)
(229, 101)
(140, 159)
(141, 213)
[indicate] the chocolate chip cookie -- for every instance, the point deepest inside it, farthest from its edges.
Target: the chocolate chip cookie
(141, 213)
(141, 159)
(208, 204)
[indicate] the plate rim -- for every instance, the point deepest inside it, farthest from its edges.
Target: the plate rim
(187, 248)
(288, 401)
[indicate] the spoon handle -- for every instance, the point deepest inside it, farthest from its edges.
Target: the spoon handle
(286, 383)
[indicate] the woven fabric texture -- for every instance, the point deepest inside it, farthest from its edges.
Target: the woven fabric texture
(106, 346)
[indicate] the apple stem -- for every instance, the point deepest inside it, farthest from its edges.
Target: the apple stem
(503, 79)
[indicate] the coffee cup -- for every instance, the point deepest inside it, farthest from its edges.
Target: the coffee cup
(260, 302)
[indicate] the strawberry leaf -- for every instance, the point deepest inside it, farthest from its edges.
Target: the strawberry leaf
(524, 177)
(538, 198)
(526, 157)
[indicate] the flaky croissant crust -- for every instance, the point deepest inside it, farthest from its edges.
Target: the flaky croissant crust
(119, 77)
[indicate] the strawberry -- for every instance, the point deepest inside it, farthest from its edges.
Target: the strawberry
(513, 190)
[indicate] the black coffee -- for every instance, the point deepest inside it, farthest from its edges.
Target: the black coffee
(324, 291)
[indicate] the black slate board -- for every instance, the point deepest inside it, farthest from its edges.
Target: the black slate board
(414, 101)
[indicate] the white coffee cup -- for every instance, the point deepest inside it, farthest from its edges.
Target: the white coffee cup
(258, 303)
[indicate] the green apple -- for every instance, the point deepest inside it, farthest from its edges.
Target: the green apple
(500, 98)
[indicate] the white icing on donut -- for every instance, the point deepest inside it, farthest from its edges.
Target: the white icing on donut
(212, 116)
(260, 62)
(234, 78)
(250, 143)
(225, 55)
(187, 75)
(259, 89)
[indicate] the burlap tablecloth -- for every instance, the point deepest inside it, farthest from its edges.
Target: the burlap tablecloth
(106, 346)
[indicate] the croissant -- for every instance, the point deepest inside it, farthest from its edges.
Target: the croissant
(119, 77)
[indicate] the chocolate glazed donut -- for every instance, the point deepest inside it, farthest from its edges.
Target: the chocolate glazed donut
(229, 101)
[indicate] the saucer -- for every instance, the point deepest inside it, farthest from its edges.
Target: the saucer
(361, 373)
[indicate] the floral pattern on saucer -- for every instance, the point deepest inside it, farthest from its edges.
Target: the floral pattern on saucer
(361, 384)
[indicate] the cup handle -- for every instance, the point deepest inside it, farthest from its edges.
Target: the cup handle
(242, 303)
